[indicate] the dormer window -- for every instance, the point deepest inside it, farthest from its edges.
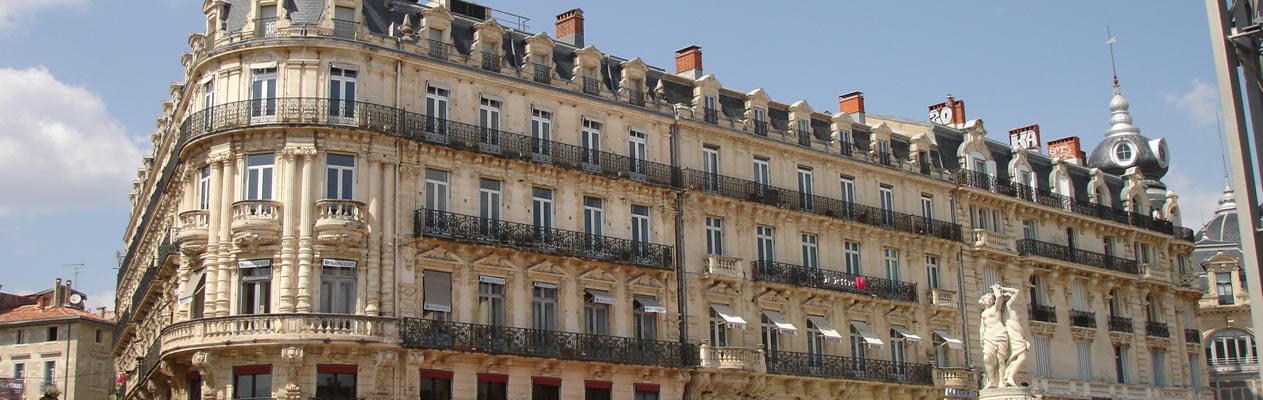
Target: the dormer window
(760, 122)
(804, 133)
(344, 22)
(1123, 153)
(710, 109)
(438, 49)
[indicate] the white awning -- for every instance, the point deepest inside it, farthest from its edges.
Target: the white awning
(734, 321)
(601, 297)
(907, 335)
(951, 341)
(869, 336)
(780, 322)
(650, 304)
(827, 330)
(189, 287)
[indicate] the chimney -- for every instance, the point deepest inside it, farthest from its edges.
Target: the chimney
(950, 112)
(1026, 137)
(43, 302)
(688, 62)
(1067, 149)
(853, 103)
(100, 312)
(56, 293)
(570, 27)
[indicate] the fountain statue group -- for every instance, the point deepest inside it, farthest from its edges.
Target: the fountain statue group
(1004, 342)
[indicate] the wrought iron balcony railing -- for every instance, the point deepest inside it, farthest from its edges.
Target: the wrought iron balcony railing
(887, 159)
(1184, 233)
(827, 366)
(1043, 313)
(266, 26)
(437, 49)
(1233, 365)
(343, 28)
(561, 242)
(797, 275)
(984, 181)
(1192, 336)
(1032, 247)
(804, 138)
(413, 126)
(591, 86)
(491, 61)
(1083, 319)
(760, 127)
(542, 73)
(795, 200)
(636, 97)
(1120, 324)
(502, 340)
(1157, 329)
(846, 149)
(711, 115)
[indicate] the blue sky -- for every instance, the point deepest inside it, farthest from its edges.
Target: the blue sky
(82, 82)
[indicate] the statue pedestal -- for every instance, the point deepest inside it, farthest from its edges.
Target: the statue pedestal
(1006, 393)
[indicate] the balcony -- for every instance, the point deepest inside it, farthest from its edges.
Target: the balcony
(193, 227)
(1120, 324)
(636, 97)
(542, 73)
(491, 61)
(591, 86)
(955, 378)
(984, 181)
(1192, 336)
(209, 332)
(720, 266)
(804, 138)
(943, 298)
(731, 358)
(820, 205)
(710, 115)
(1234, 365)
(437, 49)
(1043, 313)
(760, 127)
(1031, 247)
(342, 221)
(502, 340)
(1157, 329)
(826, 366)
(887, 159)
(1083, 319)
(559, 242)
(266, 27)
(985, 239)
(1185, 234)
(797, 275)
(345, 29)
(256, 221)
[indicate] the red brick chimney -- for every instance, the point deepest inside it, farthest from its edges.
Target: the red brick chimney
(954, 114)
(570, 27)
(688, 61)
(853, 103)
(1067, 149)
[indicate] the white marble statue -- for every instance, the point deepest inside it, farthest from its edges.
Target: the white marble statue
(1004, 342)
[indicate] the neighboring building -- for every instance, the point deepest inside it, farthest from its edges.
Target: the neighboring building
(1224, 315)
(377, 199)
(48, 342)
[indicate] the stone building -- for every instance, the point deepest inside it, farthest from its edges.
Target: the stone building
(385, 199)
(48, 342)
(1224, 315)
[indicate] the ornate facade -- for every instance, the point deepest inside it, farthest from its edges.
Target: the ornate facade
(381, 199)
(1224, 315)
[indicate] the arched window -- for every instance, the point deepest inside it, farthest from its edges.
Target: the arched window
(1230, 347)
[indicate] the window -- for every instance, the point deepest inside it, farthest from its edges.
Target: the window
(1078, 296)
(1037, 290)
(203, 189)
(98, 336)
(199, 295)
(848, 191)
(544, 306)
(811, 252)
(931, 271)
(710, 166)
(1194, 372)
(50, 373)
(1231, 348)
(1181, 261)
(1122, 153)
(1084, 352)
(543, 209)
(762, 172)
(342, 92)
(859, 349)
(760, 121)
(640, 228)
(1224, 287)
(1146, 253)
(887, 205)
(208, 94)
(645, 394)
(259, 176)
(984, 219)
(898, 350)
(1030, 229)
(637, 151)
(597, 392)
(990, 276)
(436, 385)
(1043, 357)
(1120, 364)
(489, 195)
(645, 317)
(541, 132)
(593, 222)
(437, 295)
(1116, 303)
(491, 300)
(711, 110)
(892, 264)
(436, 110)
(927, 208)
(591, 141)
(493, 389)
(489, 122)
(1159, 358)
(1108, 242)
(436, 190)
(596, 313)
(770, 333)
(806, 189)
(337, 288)
(19, 371)
(545, 390)
(1154, 311)
(252, 382)
(339, 177)
(335, 381)
(766, 244)
(718, 329)
(714, 236)
(263, 93)
(883, 151)
(815, 343)
(256, 287)
(20, 337)
(852, 251)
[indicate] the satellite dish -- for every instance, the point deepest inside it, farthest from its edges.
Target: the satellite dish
(76, 299)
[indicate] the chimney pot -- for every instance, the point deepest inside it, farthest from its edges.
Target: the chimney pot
(688, 61)
(570, 27)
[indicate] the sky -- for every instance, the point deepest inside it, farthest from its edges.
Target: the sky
(82, 84)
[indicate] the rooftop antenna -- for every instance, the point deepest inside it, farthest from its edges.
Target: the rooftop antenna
(1113, 66)
(77, 266)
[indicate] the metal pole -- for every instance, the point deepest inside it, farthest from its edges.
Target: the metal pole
(1227, 62)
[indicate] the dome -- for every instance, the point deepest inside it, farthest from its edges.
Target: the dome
(1223, 227)
(1124, 147)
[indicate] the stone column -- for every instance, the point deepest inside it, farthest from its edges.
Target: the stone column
(373, 278)
(388, 243)
(225, 237)
(215, 216)
(289, 197)
(182, 310)
(304, 232)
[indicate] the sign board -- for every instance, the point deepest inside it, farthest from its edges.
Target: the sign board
(329, 262)
(12, 388)
(254, 263)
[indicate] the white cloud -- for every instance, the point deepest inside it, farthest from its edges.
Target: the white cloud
(1198, 200)
(14, 11)
(101, 299)
(59, 147)
(1200, 102)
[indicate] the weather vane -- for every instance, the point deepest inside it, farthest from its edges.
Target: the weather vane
(1110, 42)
